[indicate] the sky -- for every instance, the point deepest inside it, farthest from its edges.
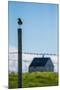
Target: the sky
(39, 28)
(39, 31)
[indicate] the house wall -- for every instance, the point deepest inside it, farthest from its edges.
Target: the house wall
(34, 69)
(49, 66)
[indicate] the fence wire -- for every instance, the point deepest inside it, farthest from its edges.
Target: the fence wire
(27, 58)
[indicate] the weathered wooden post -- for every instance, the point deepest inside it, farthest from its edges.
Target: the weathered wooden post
(19, 54)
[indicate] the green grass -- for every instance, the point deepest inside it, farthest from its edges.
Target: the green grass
(39, 79)
(34, 79)
(13, 80)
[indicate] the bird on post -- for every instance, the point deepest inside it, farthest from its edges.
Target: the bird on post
(19, 21)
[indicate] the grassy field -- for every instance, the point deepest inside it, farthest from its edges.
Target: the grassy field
(34, 79)
(13, 80)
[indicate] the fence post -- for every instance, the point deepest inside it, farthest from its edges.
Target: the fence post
(19, 58)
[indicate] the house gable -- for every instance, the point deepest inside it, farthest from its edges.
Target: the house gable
(49, 65)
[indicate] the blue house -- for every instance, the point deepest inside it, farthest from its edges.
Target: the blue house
(41, 64)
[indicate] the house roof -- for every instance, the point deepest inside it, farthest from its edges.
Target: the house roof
(39, 61)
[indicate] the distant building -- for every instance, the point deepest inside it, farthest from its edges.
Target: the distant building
(42, 64)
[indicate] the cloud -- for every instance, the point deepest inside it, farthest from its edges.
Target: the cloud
(26, 60)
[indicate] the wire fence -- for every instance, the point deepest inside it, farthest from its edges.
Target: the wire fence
(27, 58)
(34, 53)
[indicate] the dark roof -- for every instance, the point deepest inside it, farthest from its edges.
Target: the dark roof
(39, 61)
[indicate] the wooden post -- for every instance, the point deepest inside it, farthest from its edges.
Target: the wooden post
(19, 58)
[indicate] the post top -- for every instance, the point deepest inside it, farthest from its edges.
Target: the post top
(19, 21)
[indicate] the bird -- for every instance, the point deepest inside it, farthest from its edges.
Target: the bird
(19, 21)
